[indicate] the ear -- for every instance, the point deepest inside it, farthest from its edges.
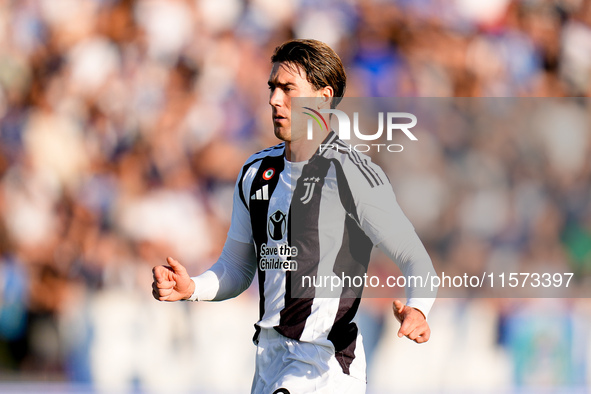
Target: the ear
(326, 94)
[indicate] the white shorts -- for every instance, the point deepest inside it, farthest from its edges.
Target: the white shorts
(285, 365)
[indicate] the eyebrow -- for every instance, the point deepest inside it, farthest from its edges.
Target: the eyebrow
(280, 84)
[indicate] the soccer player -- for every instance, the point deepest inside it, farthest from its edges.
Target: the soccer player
(299, 211)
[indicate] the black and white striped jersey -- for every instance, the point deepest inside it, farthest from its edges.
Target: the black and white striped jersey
(315, 219)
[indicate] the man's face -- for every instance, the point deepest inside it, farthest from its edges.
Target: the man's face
(287, 81)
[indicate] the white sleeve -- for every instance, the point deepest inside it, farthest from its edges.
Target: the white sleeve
(240, 228)
(384, 222)
(408, 252)
(236, 266)
(380, 215)
(229, 276)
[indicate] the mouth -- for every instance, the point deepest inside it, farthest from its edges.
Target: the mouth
(279, 118)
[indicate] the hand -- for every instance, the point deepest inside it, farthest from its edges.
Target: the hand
(414, 325)
(171, 282)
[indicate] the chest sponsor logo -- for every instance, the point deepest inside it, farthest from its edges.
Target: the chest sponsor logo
(279, 257)
(277, 225)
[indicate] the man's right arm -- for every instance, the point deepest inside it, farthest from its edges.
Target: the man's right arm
(229, 276)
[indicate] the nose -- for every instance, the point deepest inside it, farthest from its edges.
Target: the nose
(276, 97)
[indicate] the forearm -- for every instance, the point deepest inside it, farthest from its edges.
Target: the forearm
(229, 276)
(407, 250)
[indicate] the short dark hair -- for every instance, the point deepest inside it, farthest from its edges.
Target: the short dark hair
(323, 67)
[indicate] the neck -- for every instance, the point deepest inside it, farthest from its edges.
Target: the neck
(303, 149)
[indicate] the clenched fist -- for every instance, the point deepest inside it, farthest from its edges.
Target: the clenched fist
(171, 282)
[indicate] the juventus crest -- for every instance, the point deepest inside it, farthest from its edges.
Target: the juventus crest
(310, 184)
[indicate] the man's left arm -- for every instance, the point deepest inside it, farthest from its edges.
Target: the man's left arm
(407, 250)
(384, 222)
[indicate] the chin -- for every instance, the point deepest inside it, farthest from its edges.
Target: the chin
(283, 134)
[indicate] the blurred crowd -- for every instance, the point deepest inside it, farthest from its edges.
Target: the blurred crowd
(124, 123)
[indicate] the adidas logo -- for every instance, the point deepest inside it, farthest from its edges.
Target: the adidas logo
(261, 194)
